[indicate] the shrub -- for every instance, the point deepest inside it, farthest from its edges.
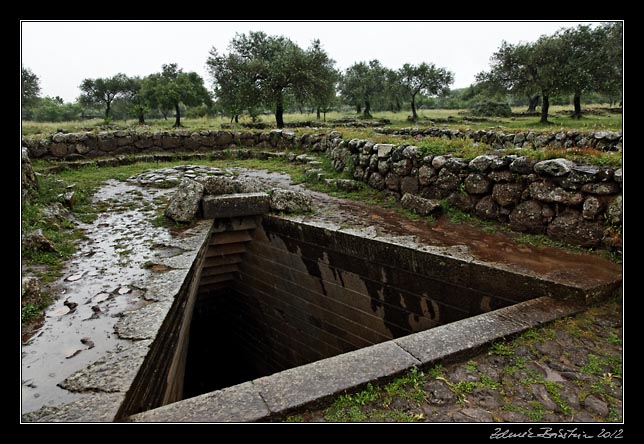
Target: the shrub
(489, 108)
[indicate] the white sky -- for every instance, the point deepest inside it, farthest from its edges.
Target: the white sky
(62, 54)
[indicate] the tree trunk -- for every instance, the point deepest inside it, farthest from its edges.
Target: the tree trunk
(318, 113)
(358, 109)
(367, 109)
(414, 115)
(532, 104)
(544, 109)
(279, 111)
(177, 121)
(107, 109)
(576, 114)
(236, 118)
(165, 115)
(141, 119)
(324, 116)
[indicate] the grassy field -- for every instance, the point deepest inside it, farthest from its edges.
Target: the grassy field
(589, 122)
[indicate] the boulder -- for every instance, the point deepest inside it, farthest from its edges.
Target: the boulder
(184, 204)
(591, 208)
(216, 185)
(289, 201)
(409, 184)
(477, 184)
(29, 184)
(487, 208)
(420, 205)
(522, 165)
(446, 180)
(571, 227)
(37, 241)
(377, 181)
(554, 167)
(528, 217)
(506, 194)
(425, 173)
(481, 163)
(549, 192)
(614, 211)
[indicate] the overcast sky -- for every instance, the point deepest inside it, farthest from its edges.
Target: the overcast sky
(62, 54)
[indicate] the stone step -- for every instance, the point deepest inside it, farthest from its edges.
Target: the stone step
(220, 269)
(222, 260)
(233, 237)
(215, 279)
(225, 249)
(235, 224)
(210, 289)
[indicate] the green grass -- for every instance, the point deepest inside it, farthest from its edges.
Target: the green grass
(535, 412)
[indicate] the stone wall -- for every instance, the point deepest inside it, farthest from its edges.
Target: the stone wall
(305, 293)
(601, 140)
(578, 204)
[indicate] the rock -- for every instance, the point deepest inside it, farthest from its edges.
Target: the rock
(446, 180)
(37, 241)
(462, 201)
(487, 208)
(438, 393)
(439, 161)
(522, 165)
(383, 167)
(425, 173)
(580, 175)
(487, 398)
(455, 164)
(617, 176)
(68, 199)
(596, 406)
(603, 188)
(31, 290)
(184, 204)
(614, 211)
(290, 201)
(592, 208)
(216, 185)
(409, 184)
(570, 227)
(461, 374)
(346, 184)
(501, 176)
(473, 415)
(550, 348)
(477, 184)
(420, 205)
(554, 167)
(507, 193)
(549, 192)
(29, 183)
(377, 181)
(392, 180)
(481, 163)
(402, 167)
(384, 149)
(528, 217)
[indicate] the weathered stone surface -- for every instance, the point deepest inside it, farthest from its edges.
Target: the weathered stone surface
(549, 192)
(472, 415)
(481, 163)
(617, 176)
(614, 211)
(462, 201)
(487, 208)
(522, 165)
(30, 289)
(446, 180)
(507, 193)
(402, 167)
(501, 176)
(239, 403)
(439, 161)
(37, 241)
(235, 205)
(290, 201)
(216, 185)
(596, 406)
(98, 407)
(554, 167)
(477, 184)
(592, 208)
(58, 150)
(377, 181)
(184, 204)
(114, 372)
(425, 173)
(541, 395)
(409, 184)
(29, 183)
(603, 188)
(455, 164)
(419, 205)
(384, 149)
(438, 393)
(143, 323)
(570, 227)
(297, 386)
(528, 217)
(392, 181)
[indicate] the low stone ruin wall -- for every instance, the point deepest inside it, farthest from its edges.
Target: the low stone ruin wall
(601, 140)
(578, 204)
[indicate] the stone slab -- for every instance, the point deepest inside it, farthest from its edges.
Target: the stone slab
(239, 403)
(298, 386)
(99, 407)
(540, 311)
(235, 205)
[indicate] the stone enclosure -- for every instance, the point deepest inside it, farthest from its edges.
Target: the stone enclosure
(578, 204)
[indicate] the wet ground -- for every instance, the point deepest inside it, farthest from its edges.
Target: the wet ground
(109, 272)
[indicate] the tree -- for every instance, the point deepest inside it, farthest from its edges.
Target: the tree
(103, 91)
(54, 109)
(172, 87)
(30, 87)
(136, 99)
(264, 70)
(610, 54)
(362, 83)
(425, 79)
(318, 89)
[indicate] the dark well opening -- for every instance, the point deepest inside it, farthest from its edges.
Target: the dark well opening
(281, 294)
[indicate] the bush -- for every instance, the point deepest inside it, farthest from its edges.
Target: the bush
(489, 108)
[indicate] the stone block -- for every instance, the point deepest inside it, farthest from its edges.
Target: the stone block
(235, 205)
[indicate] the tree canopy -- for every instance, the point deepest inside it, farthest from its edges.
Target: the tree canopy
(30, 86)
(172, 87)
(362, 82)
(265, 69)
(424, 78)
(103, 91)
